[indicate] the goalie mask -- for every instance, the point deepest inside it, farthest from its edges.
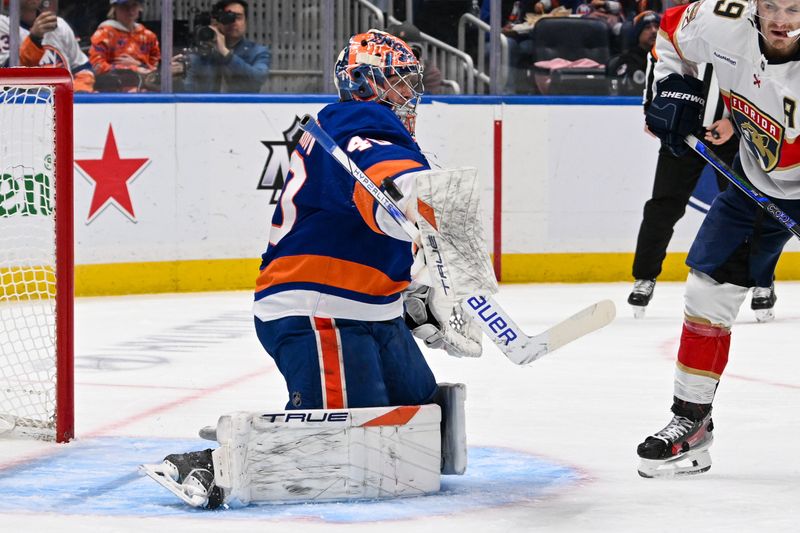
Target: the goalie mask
(378, 67)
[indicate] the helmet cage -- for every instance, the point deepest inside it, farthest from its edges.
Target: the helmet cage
(379, 67)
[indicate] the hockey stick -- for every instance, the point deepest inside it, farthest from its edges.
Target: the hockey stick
(493, 320)
(743, 185)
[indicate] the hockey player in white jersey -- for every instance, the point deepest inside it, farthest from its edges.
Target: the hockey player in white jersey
(46, 40)
(754, 49)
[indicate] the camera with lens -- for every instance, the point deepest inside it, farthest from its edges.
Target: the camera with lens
(204, 36)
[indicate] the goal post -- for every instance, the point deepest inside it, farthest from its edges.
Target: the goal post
(36, 254)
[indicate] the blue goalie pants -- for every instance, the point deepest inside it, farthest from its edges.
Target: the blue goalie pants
(338, 363)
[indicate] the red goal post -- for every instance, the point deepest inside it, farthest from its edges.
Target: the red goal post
(36, 257)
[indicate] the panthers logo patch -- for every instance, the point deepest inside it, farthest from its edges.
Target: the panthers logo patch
(764, 134)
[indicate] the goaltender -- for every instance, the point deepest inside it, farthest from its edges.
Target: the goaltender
(365, 417)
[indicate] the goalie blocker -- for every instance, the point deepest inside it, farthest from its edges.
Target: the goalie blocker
(323, 455)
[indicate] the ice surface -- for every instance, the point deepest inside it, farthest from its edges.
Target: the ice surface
(552, 445)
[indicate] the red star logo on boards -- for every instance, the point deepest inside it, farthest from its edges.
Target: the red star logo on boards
(111, 176)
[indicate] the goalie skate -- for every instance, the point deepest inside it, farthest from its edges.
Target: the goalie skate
(188, 476)
(681, 448)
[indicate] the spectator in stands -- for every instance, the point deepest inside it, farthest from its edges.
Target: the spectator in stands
(518, 29)
(628, 70)
(431, 75)
(125, 54)
(520, 45)
(46, 40)
(227, 62)
(608, 11)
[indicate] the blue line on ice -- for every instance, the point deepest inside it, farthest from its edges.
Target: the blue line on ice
(100, 477)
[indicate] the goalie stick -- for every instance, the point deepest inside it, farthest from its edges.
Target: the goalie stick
(493, 320)
(743, 185)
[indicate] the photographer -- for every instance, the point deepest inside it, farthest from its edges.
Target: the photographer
(223, 60)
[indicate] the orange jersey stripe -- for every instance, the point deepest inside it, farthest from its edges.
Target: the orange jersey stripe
(328, 271)
(330, 362)
(30, 54)
(364, 201)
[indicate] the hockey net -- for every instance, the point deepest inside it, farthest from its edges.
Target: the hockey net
(36, 383)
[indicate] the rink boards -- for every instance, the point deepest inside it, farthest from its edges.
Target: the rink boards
(176, 193)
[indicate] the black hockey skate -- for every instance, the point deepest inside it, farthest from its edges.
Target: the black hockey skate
(680, 448)
(641, 295)
(763, 303)
(190, 476)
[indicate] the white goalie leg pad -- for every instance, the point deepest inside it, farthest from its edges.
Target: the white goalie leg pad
(451, 398)
(325, 455)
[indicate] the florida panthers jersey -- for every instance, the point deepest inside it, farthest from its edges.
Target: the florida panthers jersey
(762, 96)
(332, 251)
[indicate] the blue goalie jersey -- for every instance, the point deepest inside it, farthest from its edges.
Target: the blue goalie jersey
(331, 252)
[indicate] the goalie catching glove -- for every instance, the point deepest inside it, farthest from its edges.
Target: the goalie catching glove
(441, 325)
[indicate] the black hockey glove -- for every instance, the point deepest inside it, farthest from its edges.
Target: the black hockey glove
(676, 111)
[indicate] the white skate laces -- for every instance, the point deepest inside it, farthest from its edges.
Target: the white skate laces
(677, 428)
(644, 286)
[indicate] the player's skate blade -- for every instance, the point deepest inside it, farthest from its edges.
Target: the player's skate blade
(765, 315)
(695, 461)
(638, 311)
(196, 496)
(189, 476)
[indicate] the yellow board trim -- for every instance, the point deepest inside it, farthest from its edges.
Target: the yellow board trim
(608, 267)
(166, 276)
(240, 274)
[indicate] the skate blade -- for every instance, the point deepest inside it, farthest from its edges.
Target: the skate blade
(157, 474)
(638, 311)
(765, 315)
(695, 462)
